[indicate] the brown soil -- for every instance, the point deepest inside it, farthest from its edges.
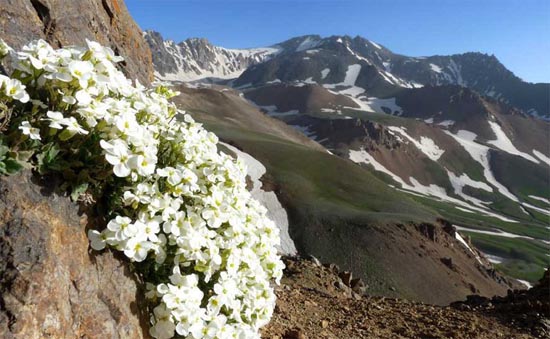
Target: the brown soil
(313, 302)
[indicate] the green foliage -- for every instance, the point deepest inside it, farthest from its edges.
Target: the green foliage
(8, 161)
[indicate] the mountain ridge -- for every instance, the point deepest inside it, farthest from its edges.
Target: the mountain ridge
(382, 72)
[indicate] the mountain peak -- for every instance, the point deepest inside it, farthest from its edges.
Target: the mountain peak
(314, 59)
(197, 41)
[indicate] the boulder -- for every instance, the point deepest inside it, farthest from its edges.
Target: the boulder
(52, 285)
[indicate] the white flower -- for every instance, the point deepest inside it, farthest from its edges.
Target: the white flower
(193, 211)
(101, 52)
(97, 240)
(137, 249)
(148, 228)
(82, 71)
(4, 49)
(164, 327)
(117, 154)
(32, 132)
(122, 228)
(13, 88)
(144, 166)
(83, 97)
(56, 119)
(74, 127)
(173, 175)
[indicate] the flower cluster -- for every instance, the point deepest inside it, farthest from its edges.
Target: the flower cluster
(179, 208)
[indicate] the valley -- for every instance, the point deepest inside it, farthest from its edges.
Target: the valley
(353, 135)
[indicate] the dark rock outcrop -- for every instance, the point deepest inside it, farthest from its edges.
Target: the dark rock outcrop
(51, 284)
(64, 23)
(528, 309)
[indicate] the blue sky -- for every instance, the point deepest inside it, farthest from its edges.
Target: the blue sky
(516, 31)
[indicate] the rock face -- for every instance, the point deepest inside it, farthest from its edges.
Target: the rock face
(64, 23)
(51, 284)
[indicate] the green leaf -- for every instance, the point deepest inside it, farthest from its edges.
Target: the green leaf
(47, 159)
(3, 151)
(78, 191)
(12, 166)
(66, 135)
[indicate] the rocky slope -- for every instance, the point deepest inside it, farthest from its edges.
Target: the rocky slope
(64, 23)
(51, 284)
(322, 302)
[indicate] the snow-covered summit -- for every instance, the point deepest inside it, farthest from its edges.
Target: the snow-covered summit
(196, 58)
(312, 59)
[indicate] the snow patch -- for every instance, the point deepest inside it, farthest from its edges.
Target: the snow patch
(502, 142)
(497, 233)
(351, 75)
(376, 105)
(416, 188)
(463, 242)
(539, 198)
(458, 184)
(425, 145)
(305, 130)
(325, 72)
(308, 43)
(275, 210)
(525, 283)
(271, 110)
(226, 64)
(375, 44)
(435, 68)
(542, 157)
(494, 259)
(446, 123)
(464, 209)
(480, 153)
(353, 91)
(538, 209)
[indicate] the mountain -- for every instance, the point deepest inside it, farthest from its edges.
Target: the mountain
(342, 213)
(444, 130)
(341, 61)
(195, 59)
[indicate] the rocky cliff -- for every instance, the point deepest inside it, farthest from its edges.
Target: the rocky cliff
(52, 285)
(64, 23)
